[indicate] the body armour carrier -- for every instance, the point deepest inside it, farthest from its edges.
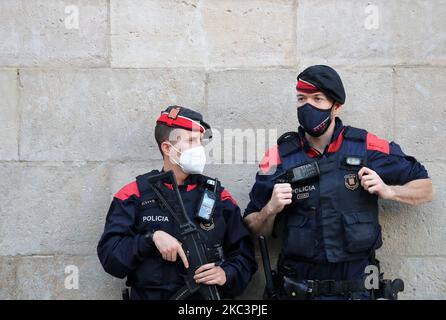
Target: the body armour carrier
(331, 218)
(154, 272)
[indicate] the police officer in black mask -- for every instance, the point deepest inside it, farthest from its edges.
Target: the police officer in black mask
(324, 182)
(141, 239)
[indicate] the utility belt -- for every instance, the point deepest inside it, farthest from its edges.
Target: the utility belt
(285, 283)
(294, 288)
(307, 289)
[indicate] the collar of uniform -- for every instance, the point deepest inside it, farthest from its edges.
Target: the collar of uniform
(189, 184)
(193, 179)
(312, 152)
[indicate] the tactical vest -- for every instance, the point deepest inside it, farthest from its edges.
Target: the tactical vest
(154, 272)
(332, 218)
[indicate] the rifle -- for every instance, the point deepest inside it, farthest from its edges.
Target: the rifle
(270, 292)
(192, 242)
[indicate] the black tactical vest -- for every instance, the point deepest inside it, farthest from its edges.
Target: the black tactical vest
(154, 272)
(332, 218)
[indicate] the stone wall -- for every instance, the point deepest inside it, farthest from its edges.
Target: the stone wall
(82, 82)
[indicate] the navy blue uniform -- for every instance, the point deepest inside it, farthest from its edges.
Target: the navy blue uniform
(316, 248)
(125, 252)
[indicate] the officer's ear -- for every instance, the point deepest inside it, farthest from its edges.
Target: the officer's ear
(165, 148)
(337, 109)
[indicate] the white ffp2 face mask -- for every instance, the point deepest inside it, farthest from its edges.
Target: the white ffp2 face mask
(192, 161)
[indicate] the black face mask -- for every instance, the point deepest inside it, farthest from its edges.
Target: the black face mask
(314, 121)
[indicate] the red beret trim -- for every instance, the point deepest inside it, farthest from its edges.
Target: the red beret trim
(306, 87)
(180, 122)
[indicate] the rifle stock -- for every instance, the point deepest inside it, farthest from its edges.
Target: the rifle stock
(270, 292)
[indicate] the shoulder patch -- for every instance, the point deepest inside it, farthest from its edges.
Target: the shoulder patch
(377, 144)
(128, 190)
(225, 195)
(270, 159)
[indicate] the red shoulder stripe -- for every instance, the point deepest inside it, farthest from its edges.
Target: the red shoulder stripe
(127, 191)
(270, 159)
(377, 144)
(225, 195)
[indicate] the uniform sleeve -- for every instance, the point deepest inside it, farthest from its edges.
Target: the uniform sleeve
(263, 187)
(240, 263)
(391, 163)
(120, 250)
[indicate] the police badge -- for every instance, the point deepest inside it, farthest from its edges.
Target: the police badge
(207, 226)
(351, 181)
